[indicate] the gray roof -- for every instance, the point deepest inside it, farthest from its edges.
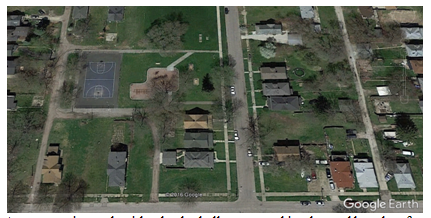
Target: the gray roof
(403, 176)
(11, 103)
(169, 158)
(198, 140)
(10, 49)
(14, 34)
(306, 11)
(421, 82)
(365, 175)
(14, 20)
(199, 159)
(414, 50)
(268, 29)
(115, 13)
(273, 73)
(276, 89)
(117, 168)
(11, 67)
(290, 103)
(80, 12)
(412, 33)
(294, 39)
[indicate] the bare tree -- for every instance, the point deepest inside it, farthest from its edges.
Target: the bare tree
(16, 197)
(188, 185)
(70, 194)
(44, 196)
(167, 35)
(140, 115)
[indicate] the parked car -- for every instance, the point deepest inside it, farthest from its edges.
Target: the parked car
(331, 184)
(388, 176)
(305, 203)
(408, 153)
(232, 90)
(34, 16)
(235, 134)
(264, 163)
(41, 11)
(249, 153)
(320, 203)
(226, 10)
(308, 179)
(328, 173)
(313, 174)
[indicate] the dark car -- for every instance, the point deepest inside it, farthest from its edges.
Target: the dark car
(328, 173)
(226, 10)
(305, 203)
(320, 203)
(41, 11)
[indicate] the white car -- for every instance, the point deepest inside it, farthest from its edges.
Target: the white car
(235, 134)
(249, 152)
(264, 163)
(331, 184)
(232, 90)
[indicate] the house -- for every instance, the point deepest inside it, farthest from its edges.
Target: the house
(307, 12)
(290, 103)
(284, 149)
(198, 118)
(11, 67)
(342, 174)
(366, 11)
(10, 49)
(383, 90)
(276, 89)
(117, 164)
(365, 174)
(390, 134)
(11, 102)
(268, 27)
(403, 176)
(14, 20)
(199, 159)
(273, 73)
(351, 133)
(412, 32)
(294, 39)
(19, 34)
(198, 140)
(80, 12)
(169, 158)
(417, 65)
(52, 165)
(115, 13)
(414, 50)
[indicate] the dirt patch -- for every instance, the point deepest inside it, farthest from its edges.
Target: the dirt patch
(402, 16)
(158, 79)
(118, 136)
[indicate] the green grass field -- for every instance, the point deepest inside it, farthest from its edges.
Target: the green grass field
(260, 13)
(327, 14)
(294, 198)
(284, 182)
(51, 10)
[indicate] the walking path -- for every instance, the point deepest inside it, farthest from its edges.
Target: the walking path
(171, 66)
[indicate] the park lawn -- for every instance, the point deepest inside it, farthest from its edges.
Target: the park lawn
(134, 70)
(210, 181)
(263, 13)
(139, 170)
(293, 198)
(85, 144)
(284, 182)
(50, 10)
(327, 14)
(203, 64)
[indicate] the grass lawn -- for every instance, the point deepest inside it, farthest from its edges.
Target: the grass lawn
(294, 198)
(134, 70)
(361, 146)
(139, 170)
(261, 13)
(211, 181)
(137, 20)
(50, 10)
(284, 182)
(327, 14)
(219, 148)
(407, 197)
(233, 182)
(318, 151)
(260, 99)
(32, 85)
(360, 198)
(85, 145)
(257, 179)
(412, 106)
(24, 100)
(337, 137)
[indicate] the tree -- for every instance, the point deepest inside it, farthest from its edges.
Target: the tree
(167, 35)
(406, 128)
(267, 50)
(340, 208)
(321, 105)
(188, 185)
(44, 196)
(207, 85)
(16, 197)
(70, 194)
(232, 108)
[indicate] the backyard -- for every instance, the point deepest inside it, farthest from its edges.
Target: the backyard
(50, 10)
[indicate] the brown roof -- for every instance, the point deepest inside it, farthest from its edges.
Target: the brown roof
(391, 7)
(198, 121)
(273, 73)
(341, 173)
(417, 66)
(284, 149)
(52, 150)
(366, 11)
(51, 169)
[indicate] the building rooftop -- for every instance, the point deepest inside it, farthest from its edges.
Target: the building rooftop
(199, 159)
(283, 103)
(416, 65)
(306, 12)
(366, 11)
(342, 174)
(383, 90)
(403, 176)
(198, 140)
(414, 50)
(365, 174)
(169, 158)
(412, 32)
(276, 89)
(273, 73)
(80, 12)
(115, 13)
(117, 168)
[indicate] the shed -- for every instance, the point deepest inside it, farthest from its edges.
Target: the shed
(115, 13)
(169, 158)
(383, 90)
(307, 12)
(80, 12)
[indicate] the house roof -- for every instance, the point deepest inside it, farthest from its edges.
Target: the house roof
(306, 11)
(403, 176)
(10, 49)
(283, 103)
(51, 169)
(391, 7)
(391, 134)
(366, 11)
(273, 73)
(115, 13)
(412, 32)
(414, 50)
(11, 67)
(197, 121)
(169, 157)
(285, 148)
(199, 159)
(11, 102)
(341, 173)
(14, 20)
(294, 39)
(117, 168)
(198, 140)
(276, 89)
(268, 28)
(80, 12)
(383, 90)
(416, 65)
(53, 149)
(17, 34)
(365, 175)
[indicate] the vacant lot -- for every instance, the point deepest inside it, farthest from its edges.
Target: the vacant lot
(277, 180)
(259, 13)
